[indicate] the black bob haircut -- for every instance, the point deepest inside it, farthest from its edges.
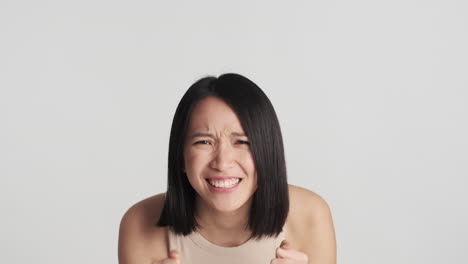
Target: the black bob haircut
(270, 202)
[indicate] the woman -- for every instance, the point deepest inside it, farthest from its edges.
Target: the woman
(227, 198)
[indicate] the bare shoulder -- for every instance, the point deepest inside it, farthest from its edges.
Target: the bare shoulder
(140, 240)
(304, 204)
(300, 196)
(310, 226)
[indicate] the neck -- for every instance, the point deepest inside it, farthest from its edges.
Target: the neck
(223, 228)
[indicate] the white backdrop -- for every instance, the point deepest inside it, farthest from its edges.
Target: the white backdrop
(371, 97)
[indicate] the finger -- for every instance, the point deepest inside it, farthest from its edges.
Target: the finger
(285, 244)
(174, 258)
(174, 254)
(282, 261)
(290, 254)
(171, 261)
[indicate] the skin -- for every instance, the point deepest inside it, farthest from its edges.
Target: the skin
(215, 146)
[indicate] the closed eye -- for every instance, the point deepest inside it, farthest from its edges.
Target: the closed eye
(202, 142)
(243, 142)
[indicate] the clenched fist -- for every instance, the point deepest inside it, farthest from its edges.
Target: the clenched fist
(286, 255)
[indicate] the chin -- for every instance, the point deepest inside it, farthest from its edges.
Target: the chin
(227, 206)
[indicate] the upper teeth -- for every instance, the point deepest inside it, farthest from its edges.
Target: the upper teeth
(224, 184)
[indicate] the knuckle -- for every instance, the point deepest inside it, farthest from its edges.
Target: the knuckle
(279, 251)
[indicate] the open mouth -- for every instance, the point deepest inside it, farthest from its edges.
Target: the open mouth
(224, 184)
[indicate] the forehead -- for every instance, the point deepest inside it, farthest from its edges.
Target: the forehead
(213, 114)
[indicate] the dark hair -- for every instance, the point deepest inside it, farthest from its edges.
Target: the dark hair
(270, 203)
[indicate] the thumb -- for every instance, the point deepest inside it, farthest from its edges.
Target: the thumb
(174, 254)
(285, 244)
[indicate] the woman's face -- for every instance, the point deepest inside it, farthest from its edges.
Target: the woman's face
(217, 152)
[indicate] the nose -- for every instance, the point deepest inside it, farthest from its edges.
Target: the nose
(223, 158)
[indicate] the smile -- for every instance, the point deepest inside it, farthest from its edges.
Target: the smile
(224, 184)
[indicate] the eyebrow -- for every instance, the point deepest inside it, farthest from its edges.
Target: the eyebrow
(237, 134)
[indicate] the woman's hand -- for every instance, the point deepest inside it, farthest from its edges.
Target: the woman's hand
(174, 258)
(286, 255)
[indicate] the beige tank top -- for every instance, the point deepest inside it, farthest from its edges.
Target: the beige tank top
(195, 249)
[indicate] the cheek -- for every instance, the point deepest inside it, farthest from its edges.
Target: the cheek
(193, 161)
(188, 162)
(253, 170)
(192, 170)
(250, 162)
(248, 165)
